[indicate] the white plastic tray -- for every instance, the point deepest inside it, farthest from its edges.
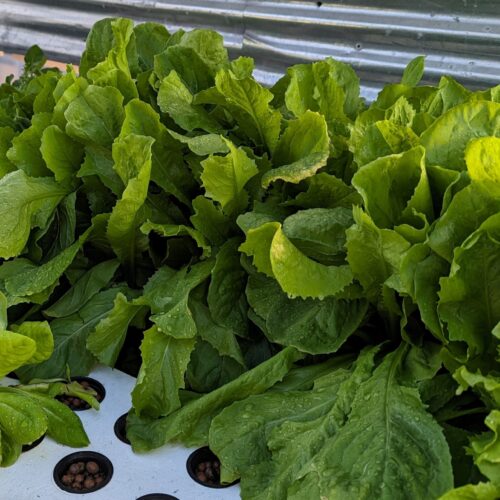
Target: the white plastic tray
(160, 471)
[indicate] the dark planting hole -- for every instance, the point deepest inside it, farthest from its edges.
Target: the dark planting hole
(77, 404)
(83, 472)
(358, 46)
(157, 496)
(319, 4)
(204, 468)
(120, 429)
(34, 444)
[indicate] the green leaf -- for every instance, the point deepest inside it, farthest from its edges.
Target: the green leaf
(401, 189)
(311, 325)
(377, 133)
(106, 340)
(41, 334)
(320, 232)
(226, 293)
(207, 370)
(62, 154)
(301, 151)
(99, 162)
(36, 279)
(224, 178)
(414, 71)
(187, 64)
(150, 39)
(69, 88)
(70, 340)
(446, 139)
(17, 350)
(209, 45)
(114, 70)
(206, 144)
(175, 99)
(221, 338)
(167, 169)
(95, 116)
(480, 491)
(132, 155)
(6, 136)
(25, 203)
(164, 362)
(173, 230)
(487, 386)
(469, 298)
(209, 220)
(482, 157)
(190, 423)
(21, 418)
(484, 448)
(83, 290)
(25, 151)
(300, 276)
(105, 35)
(326, 191)
(167, 293)
(257, 245)
(249, 103)
(374, 254)
(468, 209)
(318, 444)
(62, 423)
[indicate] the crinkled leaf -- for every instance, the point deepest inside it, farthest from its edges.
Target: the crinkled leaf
(301, 151)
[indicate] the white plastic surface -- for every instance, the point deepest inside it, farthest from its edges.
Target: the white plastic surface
(160, 471)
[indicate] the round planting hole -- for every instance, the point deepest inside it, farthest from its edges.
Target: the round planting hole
(77, 404)
(120, 429)
(204, 468)
(157, 496)
(83, 472)
(34, 444)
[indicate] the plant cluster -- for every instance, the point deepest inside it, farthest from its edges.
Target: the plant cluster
(314, 281)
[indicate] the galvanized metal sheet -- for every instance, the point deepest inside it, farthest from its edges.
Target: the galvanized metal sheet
(459, 37)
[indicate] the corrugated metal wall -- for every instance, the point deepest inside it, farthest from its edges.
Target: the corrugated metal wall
(459, 37)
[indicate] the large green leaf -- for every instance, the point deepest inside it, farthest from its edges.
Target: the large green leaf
(346, 444)
(313, 326)
(190, 423)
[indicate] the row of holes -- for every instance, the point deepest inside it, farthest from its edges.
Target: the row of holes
(202, 455)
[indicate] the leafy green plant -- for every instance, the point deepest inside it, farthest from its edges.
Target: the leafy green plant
(313, 281)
